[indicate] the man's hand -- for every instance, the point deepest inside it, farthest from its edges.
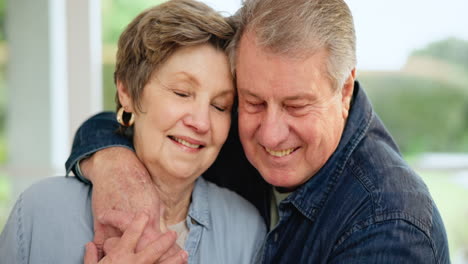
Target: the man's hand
(124, 249)
(121, 182)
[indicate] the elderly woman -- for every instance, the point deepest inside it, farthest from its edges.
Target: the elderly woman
(175, 93)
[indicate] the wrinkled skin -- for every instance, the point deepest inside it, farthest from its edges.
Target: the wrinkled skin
(128, 190)
(123, 249)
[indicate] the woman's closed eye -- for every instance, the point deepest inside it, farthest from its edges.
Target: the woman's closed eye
(181, 93)
(219, 107)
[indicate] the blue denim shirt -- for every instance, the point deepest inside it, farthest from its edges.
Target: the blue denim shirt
(365, 205)
(52, 220)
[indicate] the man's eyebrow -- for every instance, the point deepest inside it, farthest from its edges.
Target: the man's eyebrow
(300, 96)
(249, 93)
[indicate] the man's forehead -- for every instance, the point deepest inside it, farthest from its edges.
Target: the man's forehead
(262, 73)
(250, 42)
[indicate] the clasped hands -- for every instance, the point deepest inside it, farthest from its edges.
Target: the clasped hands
(128, 215)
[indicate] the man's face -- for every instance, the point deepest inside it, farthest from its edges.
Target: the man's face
(290, 117)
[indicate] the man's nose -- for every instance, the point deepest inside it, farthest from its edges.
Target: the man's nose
(274, 129)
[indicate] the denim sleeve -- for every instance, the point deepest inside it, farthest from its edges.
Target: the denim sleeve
(393, 241)
(94, 134)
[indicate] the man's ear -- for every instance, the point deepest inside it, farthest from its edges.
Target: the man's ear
(347, 92)
(124, 97)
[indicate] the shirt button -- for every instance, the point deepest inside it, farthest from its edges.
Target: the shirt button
(276, 237)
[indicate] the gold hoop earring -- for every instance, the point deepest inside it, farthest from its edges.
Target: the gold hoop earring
(122, 116)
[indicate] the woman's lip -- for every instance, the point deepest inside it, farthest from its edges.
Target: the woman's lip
(190, 140)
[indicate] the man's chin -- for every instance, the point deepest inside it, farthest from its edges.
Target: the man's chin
(283, 180)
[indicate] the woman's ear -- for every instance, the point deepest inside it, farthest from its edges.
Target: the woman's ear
(124, 97)
(347, 92)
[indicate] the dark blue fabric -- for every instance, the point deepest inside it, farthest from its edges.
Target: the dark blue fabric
(366, 205)
(94, 134)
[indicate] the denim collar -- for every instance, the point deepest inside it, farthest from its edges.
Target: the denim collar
(199, 211)
(310, 197)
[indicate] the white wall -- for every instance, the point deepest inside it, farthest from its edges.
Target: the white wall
(53, 81)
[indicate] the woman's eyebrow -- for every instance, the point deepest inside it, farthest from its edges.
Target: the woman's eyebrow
(226, 92)
(185, 76)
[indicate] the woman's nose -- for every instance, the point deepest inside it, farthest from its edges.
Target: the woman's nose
(198, 119)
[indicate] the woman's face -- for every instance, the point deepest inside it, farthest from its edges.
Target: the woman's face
(186, 113)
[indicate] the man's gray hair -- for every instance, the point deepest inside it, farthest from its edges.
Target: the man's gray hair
(299, 28)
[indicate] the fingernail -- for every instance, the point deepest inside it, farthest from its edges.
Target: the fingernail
(184, 255)
(101, 216)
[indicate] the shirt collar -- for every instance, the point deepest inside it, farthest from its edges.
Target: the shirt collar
(310, 197)
(199, 210)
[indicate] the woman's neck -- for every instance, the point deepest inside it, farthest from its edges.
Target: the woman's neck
(175, 194)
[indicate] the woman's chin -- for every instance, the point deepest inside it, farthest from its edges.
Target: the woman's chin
(185, 173)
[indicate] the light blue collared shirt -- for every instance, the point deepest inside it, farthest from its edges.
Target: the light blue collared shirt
(52, 221)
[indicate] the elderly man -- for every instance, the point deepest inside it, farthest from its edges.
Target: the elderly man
(333, 187)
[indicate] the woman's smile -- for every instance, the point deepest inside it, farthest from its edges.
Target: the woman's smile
(188, 143)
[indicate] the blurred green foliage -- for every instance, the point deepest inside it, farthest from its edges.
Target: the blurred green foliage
(2, 19)
(451, 50)
(3, 111)
(108, 87)
(422, 114)
(117, 14)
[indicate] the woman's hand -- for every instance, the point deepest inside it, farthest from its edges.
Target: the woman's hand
(123, 250)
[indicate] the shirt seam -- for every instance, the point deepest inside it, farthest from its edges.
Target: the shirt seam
(20, 231)
(388, 217)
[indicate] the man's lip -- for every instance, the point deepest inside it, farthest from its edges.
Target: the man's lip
(190, 140)
(285, 150)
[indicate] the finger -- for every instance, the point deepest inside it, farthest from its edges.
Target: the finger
(180, 257)
(118, 219)
(171, 252)
(156, 249)
(149, 235)
(133, 233)
(110, 244)
(99, 237)
(162, 221)
(91, 254)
